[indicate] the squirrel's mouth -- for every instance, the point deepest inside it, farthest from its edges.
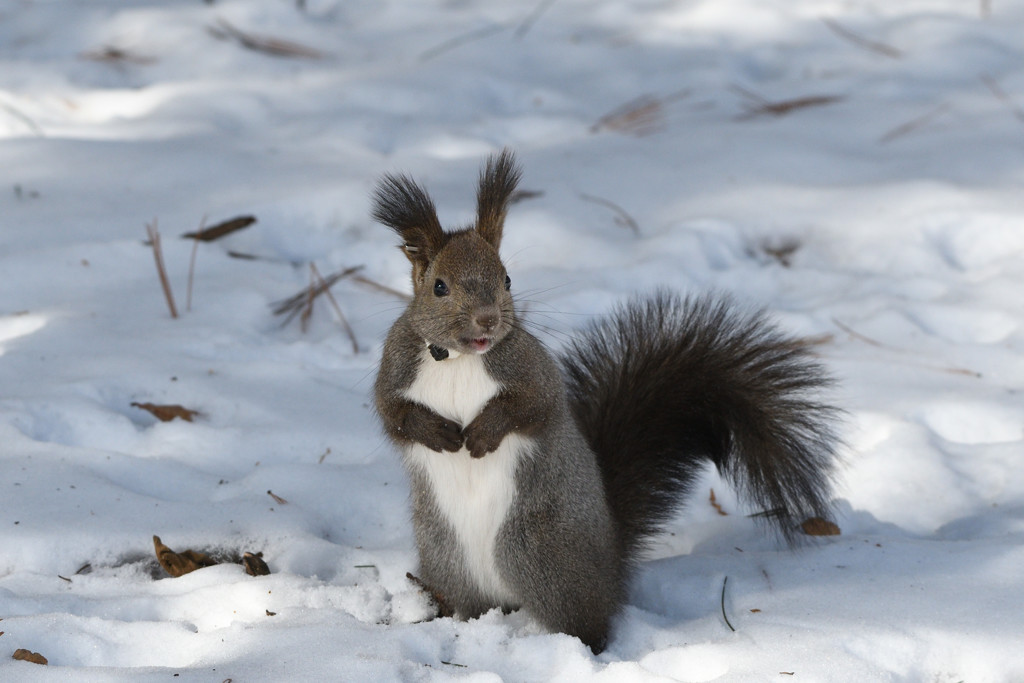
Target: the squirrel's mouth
(480, 344)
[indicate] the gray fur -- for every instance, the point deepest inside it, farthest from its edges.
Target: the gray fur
(608, 456)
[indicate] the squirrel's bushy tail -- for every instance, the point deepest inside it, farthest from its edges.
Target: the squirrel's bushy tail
(665, 383)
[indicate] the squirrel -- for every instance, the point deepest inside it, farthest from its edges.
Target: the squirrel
(535, 483)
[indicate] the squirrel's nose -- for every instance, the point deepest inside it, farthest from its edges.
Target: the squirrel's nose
(487, 319)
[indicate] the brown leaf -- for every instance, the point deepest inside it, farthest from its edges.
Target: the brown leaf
(27, 656)
(816, 526)
(179, 564)
(715, 504)
(254, 564)
(215, 232)
(166, 413)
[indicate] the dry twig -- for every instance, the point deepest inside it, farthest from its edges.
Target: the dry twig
(381, 288)
(337, 309)
(621, 217)
(532, 18)
(857, 335)
(116, 55)
(782, 250)
(872, 342)
(307, 309)
(912, 125)
(1002, 96)
(158, 255)
(296, 303)
(861, 41)
(459, 41)
(192, 265)
(274, 47)
(765, 107)
(24, 118)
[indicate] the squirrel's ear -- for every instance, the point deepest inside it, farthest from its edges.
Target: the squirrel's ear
(498, 181)
(405, 207)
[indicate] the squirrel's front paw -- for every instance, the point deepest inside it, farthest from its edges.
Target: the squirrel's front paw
(433, 431)
(481, 440)
(444, 436)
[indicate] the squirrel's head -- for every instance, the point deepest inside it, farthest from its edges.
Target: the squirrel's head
(461, 290)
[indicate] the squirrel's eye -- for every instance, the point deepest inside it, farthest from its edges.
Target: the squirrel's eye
(440, 288)
(508, 283)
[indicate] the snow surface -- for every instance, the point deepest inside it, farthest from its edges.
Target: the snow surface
(897, 210)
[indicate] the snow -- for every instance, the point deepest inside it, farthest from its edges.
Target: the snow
(885, 222)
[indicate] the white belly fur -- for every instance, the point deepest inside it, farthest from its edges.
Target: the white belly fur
(473, 494)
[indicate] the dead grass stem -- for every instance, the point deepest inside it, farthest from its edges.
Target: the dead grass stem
(621, 216)
(158, 256)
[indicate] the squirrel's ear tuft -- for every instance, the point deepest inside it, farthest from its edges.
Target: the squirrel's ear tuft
(498, 181)
(405, 207)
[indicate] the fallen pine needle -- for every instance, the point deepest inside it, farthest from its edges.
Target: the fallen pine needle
(868, 340)
(724, 615)
(640, 116)
(265, 44)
